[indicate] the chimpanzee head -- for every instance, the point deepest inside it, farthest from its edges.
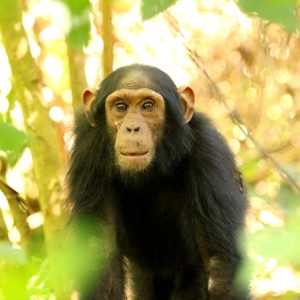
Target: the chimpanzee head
(146, 116)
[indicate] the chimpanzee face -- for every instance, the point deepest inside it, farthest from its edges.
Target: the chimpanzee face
(135, 118)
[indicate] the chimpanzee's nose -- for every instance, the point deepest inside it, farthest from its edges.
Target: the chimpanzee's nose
(133, 128)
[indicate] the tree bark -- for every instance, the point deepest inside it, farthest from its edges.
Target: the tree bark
(46, 162)
(107, 36)
(77, 75)
(3, 229)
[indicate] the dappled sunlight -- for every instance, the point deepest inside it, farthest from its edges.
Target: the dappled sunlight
(35, 220)
(282, 280)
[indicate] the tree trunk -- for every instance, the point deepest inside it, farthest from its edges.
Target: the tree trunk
(107, 36)
(46, 162)
(77, 75)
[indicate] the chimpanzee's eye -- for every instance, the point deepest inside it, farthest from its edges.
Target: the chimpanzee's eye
(148, 105)
(121, 106)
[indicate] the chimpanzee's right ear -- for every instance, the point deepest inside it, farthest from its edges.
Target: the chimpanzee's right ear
(88, 99)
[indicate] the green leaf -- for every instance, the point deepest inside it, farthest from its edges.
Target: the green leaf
(77, 6)
(150, 8)
(14, 272)
(12, 141)
(288, 200)
(78, 36)
(249, 169)
(279, 11)
(281, 243)
(11, 255)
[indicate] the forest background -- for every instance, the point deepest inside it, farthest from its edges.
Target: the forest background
(240, 57)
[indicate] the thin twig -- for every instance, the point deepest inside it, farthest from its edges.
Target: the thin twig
(234, 116)
(19, 210)
(13, 195)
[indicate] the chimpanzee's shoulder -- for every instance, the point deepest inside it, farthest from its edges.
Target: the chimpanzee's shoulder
(204, 131)
(209, 146)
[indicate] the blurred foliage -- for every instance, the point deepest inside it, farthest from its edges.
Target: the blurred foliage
(78, 32)
(280, 11)
(15, 272)
(151, 8)
(12, 142)
(23, 276)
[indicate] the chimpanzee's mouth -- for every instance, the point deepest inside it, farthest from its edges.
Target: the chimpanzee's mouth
(134, 154)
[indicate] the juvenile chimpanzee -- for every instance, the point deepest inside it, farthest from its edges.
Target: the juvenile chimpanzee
(164, 182)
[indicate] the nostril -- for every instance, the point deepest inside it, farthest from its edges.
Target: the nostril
(129, 129)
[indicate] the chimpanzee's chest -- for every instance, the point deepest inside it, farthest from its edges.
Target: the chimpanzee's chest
(149, 230)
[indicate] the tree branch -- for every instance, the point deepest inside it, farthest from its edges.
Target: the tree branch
(19, 211)
(107, 36)
(234, 116)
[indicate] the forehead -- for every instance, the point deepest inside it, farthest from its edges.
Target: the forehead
(133, 95)
(136, 77)
(136, 80)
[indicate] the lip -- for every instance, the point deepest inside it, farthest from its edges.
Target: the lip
(134, 154)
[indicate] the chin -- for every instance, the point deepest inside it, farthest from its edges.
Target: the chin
(134, 164)
(134, 171)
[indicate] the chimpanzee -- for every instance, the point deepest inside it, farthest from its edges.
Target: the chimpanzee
(164, 183)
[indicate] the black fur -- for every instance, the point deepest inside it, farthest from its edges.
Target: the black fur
(174, 225)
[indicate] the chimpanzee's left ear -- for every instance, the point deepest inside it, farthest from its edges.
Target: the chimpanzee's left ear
(187, 97)
(88, 99)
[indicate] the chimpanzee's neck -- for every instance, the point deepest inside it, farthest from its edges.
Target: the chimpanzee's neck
(151, 180)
